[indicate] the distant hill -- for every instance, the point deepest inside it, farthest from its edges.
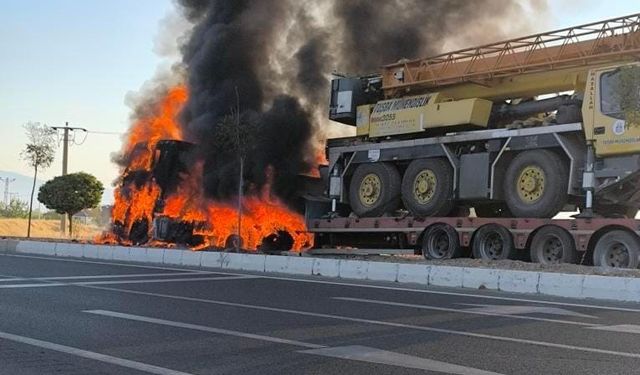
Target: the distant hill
(21, 188)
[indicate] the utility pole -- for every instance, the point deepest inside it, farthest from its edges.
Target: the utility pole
(65, 158)
(7, 181)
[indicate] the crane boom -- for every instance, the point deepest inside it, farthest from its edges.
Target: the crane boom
(587, 45)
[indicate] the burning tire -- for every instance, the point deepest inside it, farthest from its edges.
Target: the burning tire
(276, 242)
(536, 184)
(233, 243)
(427, 187)
(552, 245)
(441, 241)
(493, 242)
(617, 249)
(374, 189)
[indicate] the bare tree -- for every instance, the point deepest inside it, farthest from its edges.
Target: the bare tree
(38, 153)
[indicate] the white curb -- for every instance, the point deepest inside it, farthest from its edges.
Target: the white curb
(544, 283)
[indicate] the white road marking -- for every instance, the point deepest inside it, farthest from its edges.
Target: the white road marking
(169, 280)
(495, 312)
(197, 327)
(115, 282)
(380, 322)
(106, 263)
(624, 328)
(112, 276)
(354, 284)
(118, 276)
(91, 355)
(524, 309)
(372, 355)
(38, 285)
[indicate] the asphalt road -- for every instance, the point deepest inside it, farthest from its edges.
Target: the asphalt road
(63, 316)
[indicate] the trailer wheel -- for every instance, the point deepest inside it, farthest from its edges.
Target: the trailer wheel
(374, 189)
(427, 187)
(552, 245)
(441, 241)
(617, 249)
(536, 184)
(493, 242)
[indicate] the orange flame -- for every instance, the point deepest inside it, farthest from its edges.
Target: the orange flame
(261, 216)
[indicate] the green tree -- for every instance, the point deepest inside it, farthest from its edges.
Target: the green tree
(38, 153)
(71, 194)
(15, 209)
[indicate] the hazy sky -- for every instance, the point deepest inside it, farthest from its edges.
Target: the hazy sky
(75, 60)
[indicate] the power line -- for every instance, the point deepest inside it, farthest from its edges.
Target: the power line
(105, 132)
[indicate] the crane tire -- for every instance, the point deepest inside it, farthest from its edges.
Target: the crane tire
(536, 184)
(427, 187)
(374, 189)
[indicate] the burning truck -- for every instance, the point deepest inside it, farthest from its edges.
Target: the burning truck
(160, 198)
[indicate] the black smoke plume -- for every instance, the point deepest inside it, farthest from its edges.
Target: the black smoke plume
(272, 60)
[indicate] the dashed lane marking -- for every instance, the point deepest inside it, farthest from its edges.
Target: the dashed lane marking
(372, 355)
(197, 327)
(623, 328)
(495, 312)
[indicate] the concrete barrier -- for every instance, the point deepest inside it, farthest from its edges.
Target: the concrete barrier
(480, 278)
(326, 267)
(545, 283)
(518, 281)
(192, 258)
(413, 273)
(211, 259)
(173, 257)
(380, 271)
(563, 285)
(446, 276)
(353, 269)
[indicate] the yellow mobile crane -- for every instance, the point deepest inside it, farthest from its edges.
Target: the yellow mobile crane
(493, 128)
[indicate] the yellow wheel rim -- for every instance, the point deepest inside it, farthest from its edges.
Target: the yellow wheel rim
(424, 186)
(531, 184)
(370, 189)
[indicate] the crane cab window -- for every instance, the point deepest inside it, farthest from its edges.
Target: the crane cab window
(609, 99)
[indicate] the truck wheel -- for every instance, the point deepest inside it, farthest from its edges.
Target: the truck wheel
(441, 241)
(493, 242)
(552, 245)
(374, 189)
(617, 249)
(536, 184)
(427, 187)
